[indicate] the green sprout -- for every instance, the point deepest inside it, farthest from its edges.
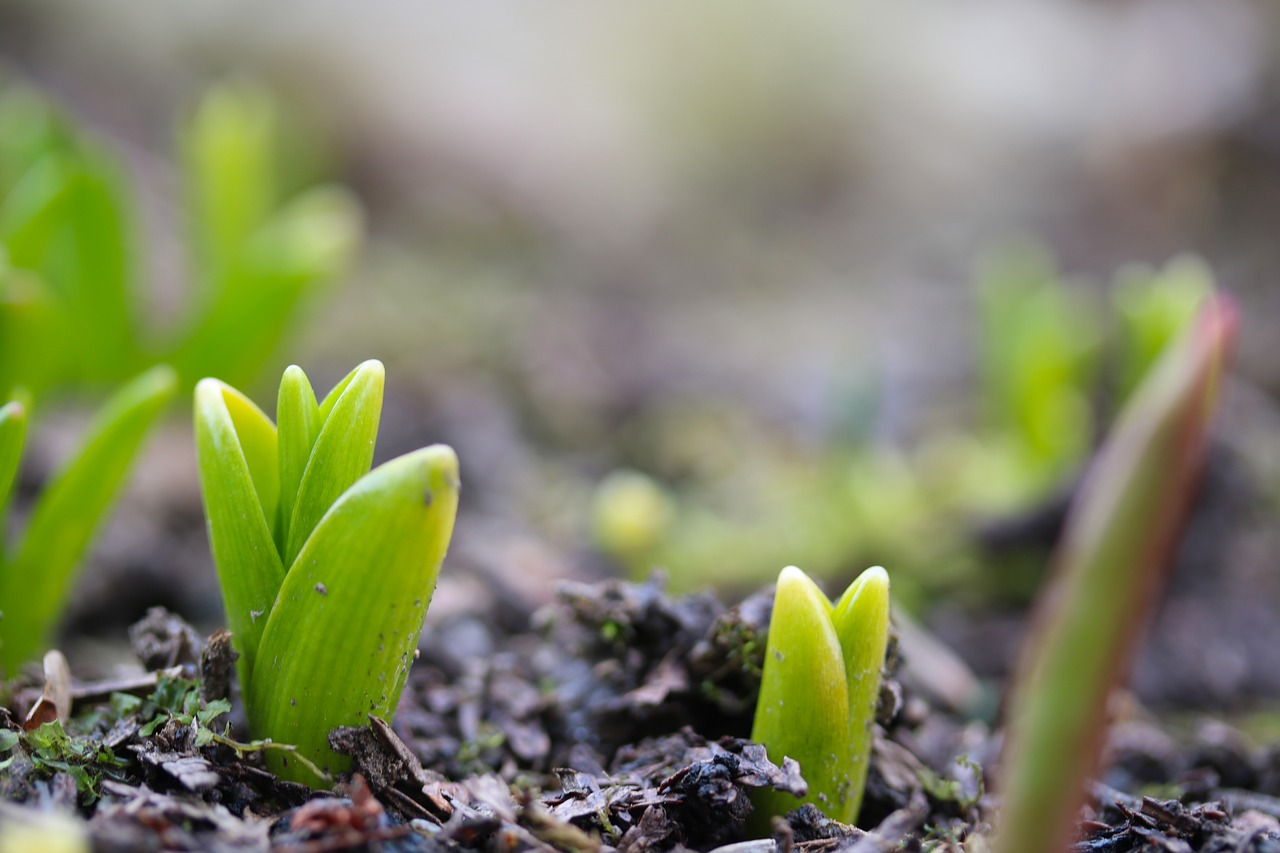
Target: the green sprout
(36, 576)
(1123, 527)
(71, 305)
(1038, 350)
(326, 567)
(1154, 307)
(820, 688)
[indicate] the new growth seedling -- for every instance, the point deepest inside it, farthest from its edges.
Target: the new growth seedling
(36, 575)
(1123, 526)
(326, 567)
(820, 688)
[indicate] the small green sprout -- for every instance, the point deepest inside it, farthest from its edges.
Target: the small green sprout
(36, 576)
(819, 689)
(1154, 307)
(326, 568)
(1039, 357)
(630, 515)
(1123, 526)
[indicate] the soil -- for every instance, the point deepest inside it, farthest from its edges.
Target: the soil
(616, 719)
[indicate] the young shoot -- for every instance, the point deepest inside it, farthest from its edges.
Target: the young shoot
(819, 690)
(36, 574)
(326, 567)
(1123, 526)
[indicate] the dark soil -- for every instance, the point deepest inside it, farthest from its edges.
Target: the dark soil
(617, 720)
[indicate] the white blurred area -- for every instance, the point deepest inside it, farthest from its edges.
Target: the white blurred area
(574, 107)
(836, 152)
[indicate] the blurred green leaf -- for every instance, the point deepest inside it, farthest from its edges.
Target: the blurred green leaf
(35, 582)
(69, 313)
(13, 428)
(1123, 526)
(1039, 352)
(254, 296)
(1154, 308)
(230, 170)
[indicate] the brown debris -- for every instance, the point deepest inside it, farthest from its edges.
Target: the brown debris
(138, 818)
(190, 771)
(217, 664)
(392, 770)
(162, 639)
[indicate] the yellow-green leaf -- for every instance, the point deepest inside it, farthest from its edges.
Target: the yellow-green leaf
(298, 422)
(342, 635)
(236, 448)
(861, 618)
(341, 454)
(803, 709)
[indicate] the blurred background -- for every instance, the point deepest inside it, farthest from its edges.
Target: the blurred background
(720, 289)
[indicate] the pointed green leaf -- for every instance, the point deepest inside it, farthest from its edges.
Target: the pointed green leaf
(861, 619)
(341, 638)
(1123, 526)
(342, 453)
(298, 422)
(803, 709)
(13, 428)
(240, 481)
(70, 510)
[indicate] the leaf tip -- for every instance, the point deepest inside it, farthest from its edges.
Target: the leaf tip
(444, 465)
(293, 373)
(791, 576)
(875, 580)
(371, 368)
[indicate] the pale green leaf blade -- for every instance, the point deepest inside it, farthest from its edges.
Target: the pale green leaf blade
(1121, 531)
(236, 451)
(70, 510)
(341, 638)
(342, 453)
(298, 423)
(803, 709)
(862, 623)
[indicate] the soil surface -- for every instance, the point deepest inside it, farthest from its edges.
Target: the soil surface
(615, 719)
